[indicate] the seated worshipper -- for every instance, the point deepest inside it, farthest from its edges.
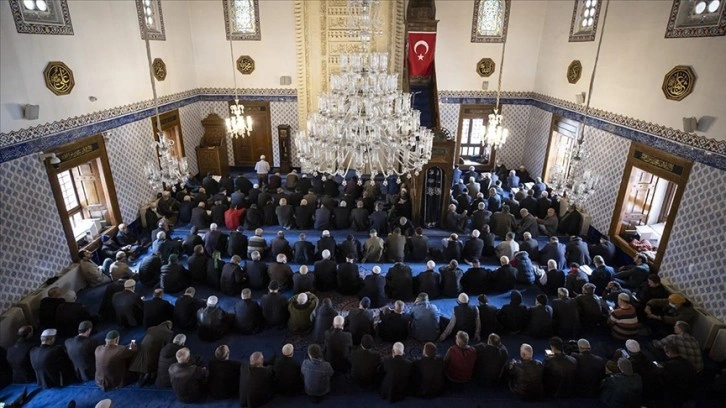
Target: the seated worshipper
(576, 251)
(348, 277)
(120, 269)
(255, 382)
(274, 306)
(464, 318)
(254, 218)
(191, 241)
(379, 219)
(200, 217)
(301, 308)
(592, 308)
(603, 274)
(281, 272)
(323, 319)
(106, 310)
(174, 276)
(342, 215)
(185, 210)
(653, 289)
(316, 374)
(234, 216)
(50, 362)
(197, 265)
(622, 389)
(670, 310)
(565, 315)
(248, 314)
(633, 276)
(287, 376)
(146, 361)
(397, 373)
(451, 248)
(491, 359)
(128, 306)
(399, 282)
(575, 279)
(303, 251)
(365, 363)
(187, 378)
(395, 246)
(424, 317)
(373, 248)
(502, 222)
(512, 180)
(687, 345)
(428, 281)
(18, 356)
(165, 246)
(527, 224)
(304, 215)
(303, 281)
(218, 211)
(374, 288)
(514, 316)
(274, 181)
(185, 310)
(92, 274)
(223, 374)
(325, 242)
(473, 247)
(603, 248)
(233, 277)
(548, 225)
(359, 322)
(338, 344)
(525, 376)
(552, 279)
(257, 275)
(394, 323)
(530, 246)
(215, 240)
(480, 217)
(168, 206)
(280, 245)
(69, 314)
(350, 246)
(237, 243)
(213, 322)
(428, 373)
(460, 360)
(359, 218)
(590, 370)
(503, 278)
(612, 290)
(81, 349)
(508, 247)
(559, 371)
(150, 269)
(455, 221)
(167, 357)
(157, 310)
(49, 306)
(488, 316)
(112, 360)
(325, 273)
(553, 250)
(526, 272)
(321, 218)
(623, 319)
(418, 246)
(540, 318)
(543, 204)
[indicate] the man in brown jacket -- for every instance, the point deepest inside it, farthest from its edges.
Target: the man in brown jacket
(112, 361)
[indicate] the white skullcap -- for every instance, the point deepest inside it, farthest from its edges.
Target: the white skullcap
(326, 233)
(130, 283)
(632, 346)
(104, 403)
(398, 348)
(431, 264)
(326, 254)
(338, 321)
(49, 333)
(376, 269)
(463, 298)
(288, 349)
(212, 301)
(302, 298)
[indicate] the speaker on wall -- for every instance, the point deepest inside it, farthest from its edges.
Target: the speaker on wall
(31, 112)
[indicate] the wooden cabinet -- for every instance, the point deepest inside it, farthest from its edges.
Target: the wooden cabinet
(283, 135)
(212, 152)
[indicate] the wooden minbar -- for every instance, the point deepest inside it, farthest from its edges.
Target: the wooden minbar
(212, 151)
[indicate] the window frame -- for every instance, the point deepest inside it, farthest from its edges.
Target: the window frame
(655, 162)
(680, 13)
(156, 33)
(236, 35)
(62, 25)
(471, 112)
(479, 38)
(577, 35)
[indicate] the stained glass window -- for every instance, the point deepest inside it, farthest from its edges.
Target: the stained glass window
(151, 20)
(490, 20)
(584, 20)
(242, 19)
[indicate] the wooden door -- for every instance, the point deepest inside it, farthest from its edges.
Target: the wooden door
(247, 150)
(639, 200)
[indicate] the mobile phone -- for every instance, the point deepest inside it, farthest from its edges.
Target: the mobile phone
(133, 343)
(624, 353)
(655, 363)
(549, 353)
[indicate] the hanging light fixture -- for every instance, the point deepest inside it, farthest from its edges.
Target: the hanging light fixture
(237, 124)
(364, 122)
(170, 169)
(576, 180)
(496, 134)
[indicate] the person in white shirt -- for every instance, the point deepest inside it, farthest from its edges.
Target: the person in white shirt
(262, 168)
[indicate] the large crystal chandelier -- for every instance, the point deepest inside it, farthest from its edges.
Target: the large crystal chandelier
(237, 124)
(496, 134)
(170, 170)
(364, 122)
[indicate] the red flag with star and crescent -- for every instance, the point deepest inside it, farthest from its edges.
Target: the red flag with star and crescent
(421, 47)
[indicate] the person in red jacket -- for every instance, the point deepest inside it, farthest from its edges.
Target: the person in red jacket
(460, 359)
(233, 217)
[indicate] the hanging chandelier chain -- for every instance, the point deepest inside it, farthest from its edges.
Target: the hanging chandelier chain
(151, 76)
(594, 69)
(234, 73)
(501, 71)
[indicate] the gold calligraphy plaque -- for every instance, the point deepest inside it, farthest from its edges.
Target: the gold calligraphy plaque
(59, 78)
(574, 71)
(678, 83)
(159, 68)
(245, 64)
(485, 67)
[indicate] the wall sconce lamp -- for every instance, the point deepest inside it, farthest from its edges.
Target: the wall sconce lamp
(580, 98)
(690, 125)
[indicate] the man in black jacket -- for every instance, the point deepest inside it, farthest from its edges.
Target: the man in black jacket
(81, 349)
(157, 310)
(237, 243)
(197, 265)
(559, 371)
(677, 375)
(491, 358)
(428, 281)
(360, 321)
(525, 376)
(475, 279)
(288, 378)
(303, 250)
(187, 378)
(150, 269)
(274, 306)
(233, 278)
(576, 251)
(52, 366)
(325, 273)
(280, 245)
(396, 375)
(514, 315)
(200, 218)
(488, 316)
(303, 281)
(174, 276)
(223, 377)
(399, 282)
(590, 370)
(19, 356)
(70, 314)
(257, 275)
(349, 281)
(504, 278)
(465, 318)
(338, 344)
(394, 323)
(365, 363)
(565, 315)
(128, 306)
(540, 318)
(212, 322)
(167, 357)
(374, 288)
(418, 246)
(429, 373)
(473, 247)
(248, 314)
(185, 310)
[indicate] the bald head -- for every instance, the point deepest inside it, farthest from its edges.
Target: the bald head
(288, 350)
(257, 359)
(397, 349)
(338, 322)
(525, 351)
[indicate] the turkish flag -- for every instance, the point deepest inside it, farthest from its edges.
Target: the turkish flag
(421, 47)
